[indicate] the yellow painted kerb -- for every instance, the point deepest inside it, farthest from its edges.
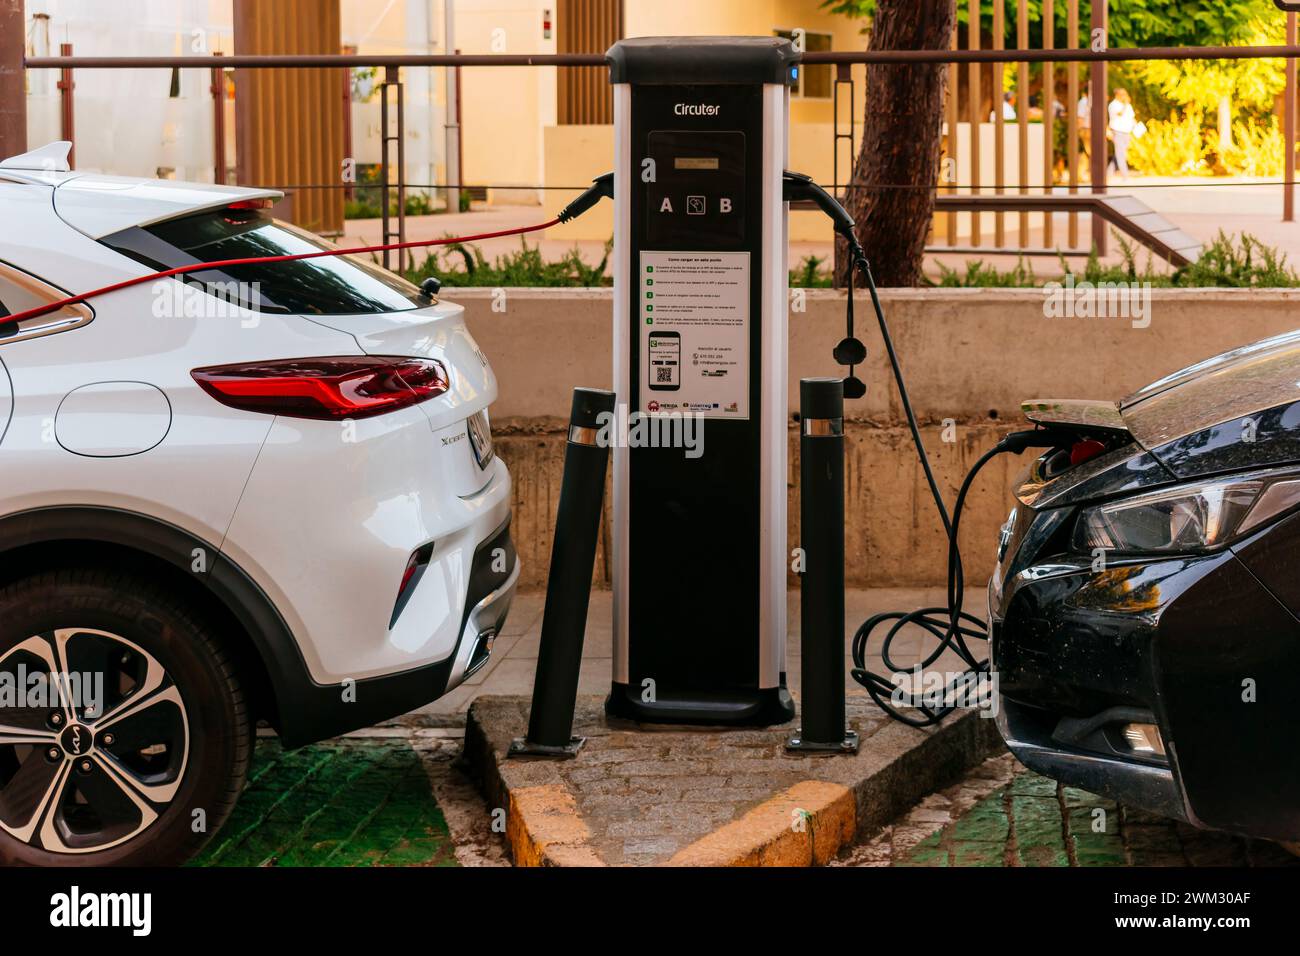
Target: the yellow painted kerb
(803, 826)
(544, 828)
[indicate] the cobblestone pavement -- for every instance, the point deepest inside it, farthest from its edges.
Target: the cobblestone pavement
(371, 800)
(1002, 815)
(397, 797)
(645, 792)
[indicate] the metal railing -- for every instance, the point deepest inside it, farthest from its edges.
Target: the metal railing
(67, 63)
(1009, 55)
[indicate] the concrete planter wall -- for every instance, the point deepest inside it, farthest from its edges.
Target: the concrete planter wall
(970, 357)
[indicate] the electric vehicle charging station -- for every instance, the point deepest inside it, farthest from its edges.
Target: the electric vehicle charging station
(700, 328)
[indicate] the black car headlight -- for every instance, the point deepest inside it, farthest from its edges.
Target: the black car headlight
(1189, 517)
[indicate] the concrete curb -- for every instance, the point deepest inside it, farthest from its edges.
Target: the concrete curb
(803, 826)
(542, 823)
(843, 799)
(544, 828)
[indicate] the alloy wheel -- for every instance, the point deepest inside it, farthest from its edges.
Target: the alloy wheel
(95, 758)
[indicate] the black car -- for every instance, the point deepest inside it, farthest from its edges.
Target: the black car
(1144, 610)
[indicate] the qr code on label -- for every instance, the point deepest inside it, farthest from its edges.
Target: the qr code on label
(663, 375)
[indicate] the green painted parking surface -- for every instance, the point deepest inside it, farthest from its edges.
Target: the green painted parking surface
(340, 803)
(1034, 821)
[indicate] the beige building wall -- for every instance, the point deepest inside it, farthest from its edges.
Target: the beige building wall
(402, 26)
(510, 140)
(504, 110)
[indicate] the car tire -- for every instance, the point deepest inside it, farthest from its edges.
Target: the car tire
(149, 776)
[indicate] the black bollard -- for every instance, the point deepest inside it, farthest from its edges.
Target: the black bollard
(568, 589)
(821, 584)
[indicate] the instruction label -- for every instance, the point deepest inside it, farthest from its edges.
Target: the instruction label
(694, 321)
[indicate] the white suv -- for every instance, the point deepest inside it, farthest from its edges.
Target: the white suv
(265, 492)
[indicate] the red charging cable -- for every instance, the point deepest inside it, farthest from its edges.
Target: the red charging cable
(223, 263)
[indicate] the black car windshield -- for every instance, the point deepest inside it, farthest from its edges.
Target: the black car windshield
(329, 285)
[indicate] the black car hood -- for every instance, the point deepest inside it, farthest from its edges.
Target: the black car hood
(1237, 410)
(1232, 412)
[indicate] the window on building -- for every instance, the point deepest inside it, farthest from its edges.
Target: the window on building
(814, 82)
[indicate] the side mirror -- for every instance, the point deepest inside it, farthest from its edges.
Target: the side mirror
(430, 287)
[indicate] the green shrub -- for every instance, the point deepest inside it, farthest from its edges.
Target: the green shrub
(361, 208)
(1126, 270)
(365, 204)
(419, 204)
(981, 276)
(465, 265)
(1172, 147)
(1228, 261)
(1246, 263)
(809, 274)
(1257, 149)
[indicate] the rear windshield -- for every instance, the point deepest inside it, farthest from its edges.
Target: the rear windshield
(330, 285)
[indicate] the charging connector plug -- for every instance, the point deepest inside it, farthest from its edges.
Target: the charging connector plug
(1017, 442)
(602, 187)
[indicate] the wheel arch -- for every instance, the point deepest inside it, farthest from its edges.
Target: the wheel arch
(301, 710)
(244, 619)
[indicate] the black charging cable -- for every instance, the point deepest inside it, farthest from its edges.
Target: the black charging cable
(952, 627)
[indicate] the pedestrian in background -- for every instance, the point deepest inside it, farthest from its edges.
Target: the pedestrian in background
(1008, 107)
(1083, 112)
(1120, 130)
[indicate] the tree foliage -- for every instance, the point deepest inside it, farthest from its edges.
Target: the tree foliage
(1252, 84)
(1132, 22)
(1188, 22)
(1233, 99)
